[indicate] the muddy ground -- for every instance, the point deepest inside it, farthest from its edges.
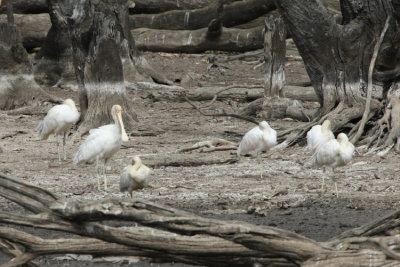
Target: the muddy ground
(275, 190)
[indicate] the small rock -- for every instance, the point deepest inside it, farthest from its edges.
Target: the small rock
(1, 150)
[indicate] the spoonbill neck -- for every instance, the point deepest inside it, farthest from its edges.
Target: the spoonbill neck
(124, 136)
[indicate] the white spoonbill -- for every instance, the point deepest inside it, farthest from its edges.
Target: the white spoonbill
(102, 143)
(334, 153)
(58, 120)
(260, 138)
(134, 176)
(319, 134)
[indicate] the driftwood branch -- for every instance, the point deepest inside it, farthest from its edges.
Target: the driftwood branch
(167, 234)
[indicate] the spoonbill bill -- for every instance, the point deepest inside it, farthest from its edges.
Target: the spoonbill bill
(58, 121)
(102, 143)
(260, 138)
(319, 134)
(134, 176)
(334, 153)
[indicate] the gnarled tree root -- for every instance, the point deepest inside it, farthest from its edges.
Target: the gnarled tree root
(386, 131)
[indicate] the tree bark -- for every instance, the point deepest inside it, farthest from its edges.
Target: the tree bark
(337, 57)
(274, 55)
(234, 14)
(101, 49)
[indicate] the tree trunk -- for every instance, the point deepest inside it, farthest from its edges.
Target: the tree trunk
(168, 234)
(101, 47)
(234, 14)
(274, 55)
(337, 58)
(17, 86)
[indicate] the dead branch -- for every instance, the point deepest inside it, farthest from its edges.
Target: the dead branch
(169, 234)
(369, 89)
(175, 159)
(222, 114)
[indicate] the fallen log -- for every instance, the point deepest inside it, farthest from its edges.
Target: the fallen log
(196, 41)
(243, 93)
(34, 29)
(159, 6)
(233, 14)
(168, 234)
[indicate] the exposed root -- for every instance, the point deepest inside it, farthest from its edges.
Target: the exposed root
(386, 133)
(339, 116)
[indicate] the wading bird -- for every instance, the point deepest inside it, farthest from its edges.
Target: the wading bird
(58, 120)
(134, 176)
(334, 153)
(260, 138)
(319, 134)
(102, 143)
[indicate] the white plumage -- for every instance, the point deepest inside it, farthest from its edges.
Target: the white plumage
(58, 120)
(260, 138)
(102, 143)
(134, 176)
(319, 134)
(334, 153)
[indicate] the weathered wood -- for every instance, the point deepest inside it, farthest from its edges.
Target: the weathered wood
(196, 41)
(169, 234)
(280, 108)
(337, 57)
(238, 92)
(159, 6)
(274, 55)
(234, 14)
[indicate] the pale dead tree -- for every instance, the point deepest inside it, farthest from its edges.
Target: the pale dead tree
(167, 234)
